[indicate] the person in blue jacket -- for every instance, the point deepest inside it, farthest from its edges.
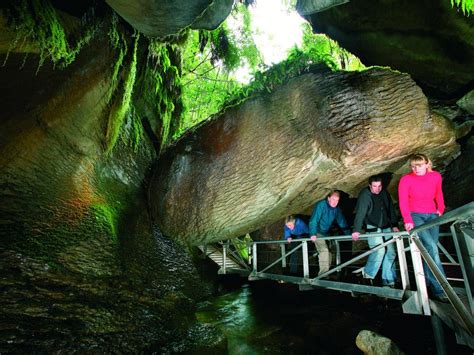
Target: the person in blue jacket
(324, 214)
(295, 227)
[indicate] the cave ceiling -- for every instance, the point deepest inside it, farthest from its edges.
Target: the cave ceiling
(428, 39)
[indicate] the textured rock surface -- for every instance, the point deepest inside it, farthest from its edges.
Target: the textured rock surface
(467, 102)
(372, 343)
(459, 178)
(161, 18)
(277, 154)
(431, 41)
(81, 268)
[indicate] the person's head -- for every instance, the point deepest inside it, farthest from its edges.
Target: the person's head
(375, 184)
(290, 222)
(333, 198)
(420, 164)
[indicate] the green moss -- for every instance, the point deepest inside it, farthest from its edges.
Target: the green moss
(107, 216)
(122, 105)
(38, 21)
(136, 131)
(166, 77)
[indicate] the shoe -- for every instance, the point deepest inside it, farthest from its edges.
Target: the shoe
(440, 298)
(315, 255)
(364, 280)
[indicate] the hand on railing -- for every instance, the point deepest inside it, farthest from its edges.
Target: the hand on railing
(395, 229)
(313, 238)
(289, 239)
(409, 226)
(355, 236)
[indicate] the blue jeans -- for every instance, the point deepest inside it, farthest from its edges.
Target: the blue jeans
(429, 239)
(384, 256)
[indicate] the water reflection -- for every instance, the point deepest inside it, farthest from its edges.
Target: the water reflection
(267, 318)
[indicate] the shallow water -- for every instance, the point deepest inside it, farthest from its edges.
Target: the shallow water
(271, 318)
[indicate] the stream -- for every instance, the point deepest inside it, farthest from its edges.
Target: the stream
(270, 318)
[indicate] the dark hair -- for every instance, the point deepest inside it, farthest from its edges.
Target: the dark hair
(375, 178)
(290, 218)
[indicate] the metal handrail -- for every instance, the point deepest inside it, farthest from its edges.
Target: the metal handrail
(454, 299)
(448, 217)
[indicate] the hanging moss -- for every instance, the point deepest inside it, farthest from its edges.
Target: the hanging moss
(119, 43)
(122, 105)
(37, 21)
(167, 84)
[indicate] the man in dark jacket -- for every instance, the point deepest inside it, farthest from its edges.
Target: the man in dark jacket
(375, 210)
(324, 214)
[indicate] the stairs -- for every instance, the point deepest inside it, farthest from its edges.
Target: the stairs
(216, 255)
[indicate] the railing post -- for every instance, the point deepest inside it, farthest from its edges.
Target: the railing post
(224, 257)
(338, 253)
(305, 260)
(465, 253)
(254, 257)
(422, 291)
(283, 255)
(402, 261)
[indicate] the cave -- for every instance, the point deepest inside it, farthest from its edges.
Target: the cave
(105, 196)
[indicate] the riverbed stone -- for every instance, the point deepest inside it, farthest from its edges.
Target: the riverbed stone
(371, 343)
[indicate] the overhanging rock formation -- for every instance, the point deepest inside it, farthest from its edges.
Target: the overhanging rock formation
(277, 154)
(161, 18)
(430, 40)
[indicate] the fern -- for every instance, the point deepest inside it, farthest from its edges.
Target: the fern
(467, 6)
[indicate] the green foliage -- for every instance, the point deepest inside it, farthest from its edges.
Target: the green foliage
(322, 49)
(316, 50)
(38, 21)
(209, 57)
(205, 85)
(209, 87)
(467, 6)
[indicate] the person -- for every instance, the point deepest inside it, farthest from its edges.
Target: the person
(375, 209)
(420, 197)
(295, 227)
(325, 212)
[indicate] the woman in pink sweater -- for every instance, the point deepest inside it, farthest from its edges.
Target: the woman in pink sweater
(420, 197)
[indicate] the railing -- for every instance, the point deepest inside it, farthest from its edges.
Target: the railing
(462, 229)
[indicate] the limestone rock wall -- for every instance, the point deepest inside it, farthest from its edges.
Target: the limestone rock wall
(279, 153)
(81, 266)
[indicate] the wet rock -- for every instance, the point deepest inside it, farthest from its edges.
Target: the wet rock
(279, 153)
(467, 102)
(161, 18)
(372, 343)
(308, 7)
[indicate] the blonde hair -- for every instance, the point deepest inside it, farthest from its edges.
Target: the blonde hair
(419, 157)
